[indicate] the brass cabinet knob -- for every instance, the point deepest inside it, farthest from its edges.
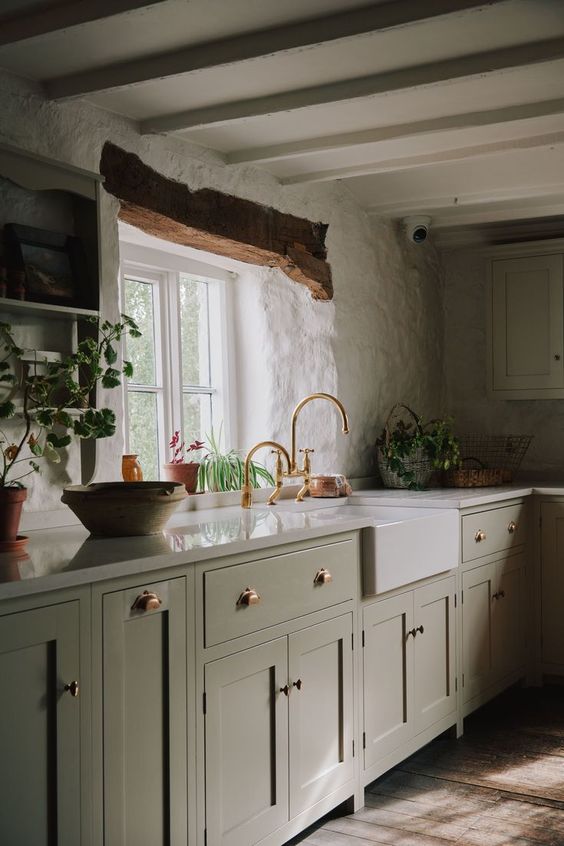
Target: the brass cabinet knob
(147, 601)
(480, 536)
(285, 690)
(298, 684)
(499, 594)
(249, 597)
(73, 688)
(412, 632)
(512, 527)
(322, 577)
(419, 629)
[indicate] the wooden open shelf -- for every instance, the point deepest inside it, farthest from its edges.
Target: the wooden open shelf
(56, 312)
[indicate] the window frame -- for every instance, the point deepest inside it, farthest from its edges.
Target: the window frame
(164, 271)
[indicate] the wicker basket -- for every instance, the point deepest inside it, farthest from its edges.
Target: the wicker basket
(496, 452)
(419, 464)
(472, 477)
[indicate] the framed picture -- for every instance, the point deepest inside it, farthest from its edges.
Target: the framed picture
(54, 264)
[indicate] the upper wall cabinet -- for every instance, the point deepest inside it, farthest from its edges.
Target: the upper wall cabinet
(526, 318)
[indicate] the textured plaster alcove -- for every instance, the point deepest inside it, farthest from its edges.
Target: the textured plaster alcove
(378, 341)
(466, 374)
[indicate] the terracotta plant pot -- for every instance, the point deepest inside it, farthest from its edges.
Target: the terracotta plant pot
(11, 503)
(187, 473)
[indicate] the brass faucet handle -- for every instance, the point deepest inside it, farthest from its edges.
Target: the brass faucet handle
(306, 450)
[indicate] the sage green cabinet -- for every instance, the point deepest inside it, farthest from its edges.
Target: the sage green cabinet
(408, 667)
(492, 627)
(144, 708)
(246, 730)
(552, 587)
(527, 327)
(40, 727)
(278, 730)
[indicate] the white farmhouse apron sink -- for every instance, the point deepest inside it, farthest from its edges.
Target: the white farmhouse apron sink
(401, 545)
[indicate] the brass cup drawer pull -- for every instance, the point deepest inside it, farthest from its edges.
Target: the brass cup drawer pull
(480, 536)
(73, 688)
(147, 601)
(512, 527)
(298, 684)
(248, 597)
(322, 577)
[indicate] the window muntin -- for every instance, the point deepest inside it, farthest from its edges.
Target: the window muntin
(179, 363)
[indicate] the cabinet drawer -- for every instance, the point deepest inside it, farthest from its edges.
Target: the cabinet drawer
(287, 587)
(493, 531)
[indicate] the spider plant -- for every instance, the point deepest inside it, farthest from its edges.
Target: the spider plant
(223, 471)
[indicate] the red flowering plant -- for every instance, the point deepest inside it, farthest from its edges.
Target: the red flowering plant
(179, 449)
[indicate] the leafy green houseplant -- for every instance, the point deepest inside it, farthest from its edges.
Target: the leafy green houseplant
(410, 449)
(49, 401)
(223, 471)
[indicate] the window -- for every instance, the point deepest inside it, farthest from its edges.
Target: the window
(180, 378)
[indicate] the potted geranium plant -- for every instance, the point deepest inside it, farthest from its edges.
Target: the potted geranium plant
(179, 469)
(410, 450)
(49, 402)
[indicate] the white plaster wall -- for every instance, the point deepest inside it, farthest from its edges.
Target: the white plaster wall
(379, 340)
(466, 374)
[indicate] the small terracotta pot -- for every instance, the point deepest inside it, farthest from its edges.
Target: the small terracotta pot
(11, 503)
(187, 473)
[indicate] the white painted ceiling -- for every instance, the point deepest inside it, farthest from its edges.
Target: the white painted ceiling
(443, 107)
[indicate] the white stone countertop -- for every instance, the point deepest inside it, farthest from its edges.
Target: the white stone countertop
(66, 557)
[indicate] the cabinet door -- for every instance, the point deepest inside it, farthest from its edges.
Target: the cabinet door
(144, 707)
(321, 711)
(40, 727)
(246, 745)
(434, 653)
(478, 587)
(552, 590)
(527, 323)
(388, 672)
(507, 618)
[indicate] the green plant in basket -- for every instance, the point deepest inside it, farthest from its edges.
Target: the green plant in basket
(223, 471)
(410, 449)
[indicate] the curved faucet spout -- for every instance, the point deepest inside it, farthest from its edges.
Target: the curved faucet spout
(295, 414)
(246, 490)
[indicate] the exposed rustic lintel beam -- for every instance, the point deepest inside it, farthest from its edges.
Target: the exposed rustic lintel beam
(373, 17)
(491, 61)
(209, 220)
(45, 19)
(346, 140)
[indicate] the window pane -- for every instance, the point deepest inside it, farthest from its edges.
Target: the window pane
(194, 325)
(197, 416)
(144, 431)
(141, 351)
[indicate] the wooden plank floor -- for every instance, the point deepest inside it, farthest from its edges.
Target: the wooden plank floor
(502, 784)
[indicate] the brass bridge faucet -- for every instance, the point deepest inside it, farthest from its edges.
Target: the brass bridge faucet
(293, 471)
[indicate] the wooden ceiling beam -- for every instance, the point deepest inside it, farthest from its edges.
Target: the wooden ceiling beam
(436, 157)
(488, 62)
(218, 223)
(343, 141)
(44, 19)
(361, 20)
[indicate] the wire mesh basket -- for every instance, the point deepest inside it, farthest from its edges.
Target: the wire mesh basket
(495, 452)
